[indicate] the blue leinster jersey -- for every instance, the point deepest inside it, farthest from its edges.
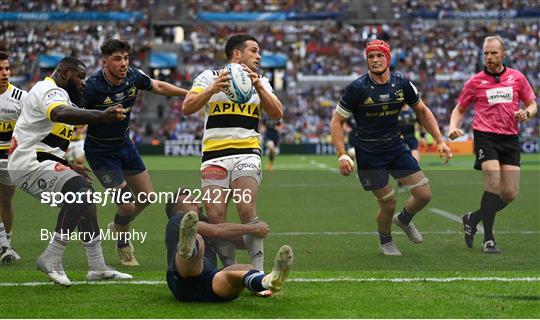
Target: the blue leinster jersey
(100, 94)
(407, 120)
(375, 108)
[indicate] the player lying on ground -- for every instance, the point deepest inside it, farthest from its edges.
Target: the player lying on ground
(191, 278)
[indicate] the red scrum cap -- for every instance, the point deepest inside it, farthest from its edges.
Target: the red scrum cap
(379, 45)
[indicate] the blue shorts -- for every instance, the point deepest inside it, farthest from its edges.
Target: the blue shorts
(193, 289)
(374, 168)
(411, 142)
(272, 136)
(110, 162)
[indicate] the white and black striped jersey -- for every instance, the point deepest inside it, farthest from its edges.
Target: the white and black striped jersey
(11, 102)
(230, 128)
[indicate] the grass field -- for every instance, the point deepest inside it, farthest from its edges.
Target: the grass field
(338, 272)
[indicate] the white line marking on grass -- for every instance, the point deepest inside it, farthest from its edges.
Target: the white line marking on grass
(400, 280)
(300, 280)
(453, 217)
(322, 166)
(371, 233)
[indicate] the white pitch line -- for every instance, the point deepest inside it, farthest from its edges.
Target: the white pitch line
(453, 217)
(371, 233)
(298, 280)
(322, 166)
(401, 280)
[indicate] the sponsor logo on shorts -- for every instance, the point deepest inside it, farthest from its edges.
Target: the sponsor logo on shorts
(214, 173)
(366, 182)
(481, 154)
(247, 166)
(42, 184)
(106, 179)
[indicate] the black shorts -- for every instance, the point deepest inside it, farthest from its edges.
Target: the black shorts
(493, 146)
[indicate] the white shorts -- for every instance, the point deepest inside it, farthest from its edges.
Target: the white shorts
(75, 150)
(49, 177)
(223, 171)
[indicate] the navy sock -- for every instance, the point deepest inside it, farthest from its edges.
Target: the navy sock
(121, 220)
(385, 237)
(253, 280)
(405, 217)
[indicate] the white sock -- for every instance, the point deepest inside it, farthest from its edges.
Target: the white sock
(8, 236)
(94, 254)
(57, 245)
(3, 236)
(226, 251)
(255, 248)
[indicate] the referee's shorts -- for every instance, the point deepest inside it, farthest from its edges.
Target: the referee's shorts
(493, 146)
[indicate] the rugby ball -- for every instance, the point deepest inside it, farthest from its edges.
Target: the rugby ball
(240, 88)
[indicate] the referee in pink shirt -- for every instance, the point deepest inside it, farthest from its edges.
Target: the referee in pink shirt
(495, 94)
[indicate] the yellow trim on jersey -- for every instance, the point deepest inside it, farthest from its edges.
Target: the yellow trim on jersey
(5, 147)
(197, 89)
(52, 106)
(213, 145)
(9, 86)
(7, 126)
(62, 130)
(50, 79)
(224, 108)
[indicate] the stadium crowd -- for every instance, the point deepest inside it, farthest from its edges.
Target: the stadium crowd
(437, 55)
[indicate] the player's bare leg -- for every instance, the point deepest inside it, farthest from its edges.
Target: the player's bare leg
(271, 154)
(420, 196)
(138, 187)
(247, 211)
(230, 281)
(216, 209)
(190, 253)
(140, 184)
(387, 206)
(121, 224)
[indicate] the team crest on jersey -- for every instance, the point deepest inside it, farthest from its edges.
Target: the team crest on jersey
(400, 96)
(107, 101)
(132, 92)
(368, 101)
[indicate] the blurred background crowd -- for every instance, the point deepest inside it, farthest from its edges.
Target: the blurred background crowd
(322, 52)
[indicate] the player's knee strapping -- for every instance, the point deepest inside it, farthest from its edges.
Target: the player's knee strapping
(422, 182)
(388, 197)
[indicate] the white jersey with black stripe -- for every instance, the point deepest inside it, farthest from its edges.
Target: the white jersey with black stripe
(229, 125)
(11, 102)
(35, 131)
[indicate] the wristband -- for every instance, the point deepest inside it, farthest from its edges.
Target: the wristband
(528, 114)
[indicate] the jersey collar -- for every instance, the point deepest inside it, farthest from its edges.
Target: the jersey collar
(111, 84)
(379, 84)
